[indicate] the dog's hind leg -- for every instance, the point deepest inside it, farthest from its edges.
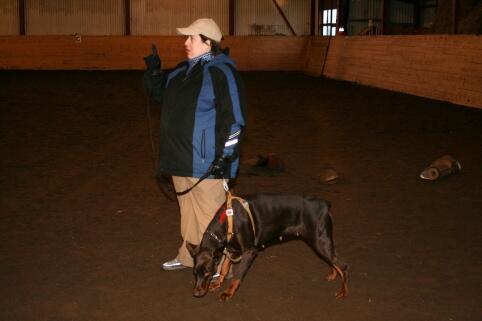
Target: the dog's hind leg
(320, 238)
(332, 276)
(340, 267)
(325, 249)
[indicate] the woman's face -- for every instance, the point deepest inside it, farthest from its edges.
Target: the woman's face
(196, 47)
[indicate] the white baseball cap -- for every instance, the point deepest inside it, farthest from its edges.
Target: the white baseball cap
(206, 27)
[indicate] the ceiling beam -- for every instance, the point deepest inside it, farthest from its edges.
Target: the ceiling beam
(284, 18)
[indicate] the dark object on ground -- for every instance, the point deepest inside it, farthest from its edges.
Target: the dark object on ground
(329, 177)
(264, 165)
(440, 168)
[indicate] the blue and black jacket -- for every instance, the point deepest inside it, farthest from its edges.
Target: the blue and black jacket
(203, 115)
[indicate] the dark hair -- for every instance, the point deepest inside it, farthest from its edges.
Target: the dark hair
(215, 46)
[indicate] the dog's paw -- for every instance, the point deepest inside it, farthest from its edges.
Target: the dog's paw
(229, 292)
(215, 286)
(225, 296)
(341, 294)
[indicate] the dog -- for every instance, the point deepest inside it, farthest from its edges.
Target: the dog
(257, 221)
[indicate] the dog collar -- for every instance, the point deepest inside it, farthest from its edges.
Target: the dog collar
(215, 237)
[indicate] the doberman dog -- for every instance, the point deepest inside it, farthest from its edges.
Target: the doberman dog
(263, 221)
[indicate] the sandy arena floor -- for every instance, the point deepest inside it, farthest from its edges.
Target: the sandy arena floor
(84, 227)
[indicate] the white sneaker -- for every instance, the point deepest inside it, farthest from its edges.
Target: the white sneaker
(173, 265)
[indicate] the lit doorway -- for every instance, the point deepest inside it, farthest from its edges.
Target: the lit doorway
(327, 18)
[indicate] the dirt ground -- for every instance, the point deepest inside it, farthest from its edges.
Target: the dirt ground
(84, 226)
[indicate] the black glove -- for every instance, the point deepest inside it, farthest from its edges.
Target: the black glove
(153, 62)
(218, 166)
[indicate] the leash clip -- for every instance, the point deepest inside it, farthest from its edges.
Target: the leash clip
(229, 212)
(225, 185)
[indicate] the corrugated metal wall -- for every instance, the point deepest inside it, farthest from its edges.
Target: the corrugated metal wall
(9, 18)
(261, 17)
(401, 12)
(361, 13)
(69, 17)
(401, 18)
(428, 9)
(155, 17)
(162, 17)
(152, 17)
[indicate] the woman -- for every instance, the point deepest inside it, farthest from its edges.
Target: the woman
(202, 121)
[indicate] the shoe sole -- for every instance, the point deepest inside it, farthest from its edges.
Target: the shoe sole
(215, 278)
(170, 268)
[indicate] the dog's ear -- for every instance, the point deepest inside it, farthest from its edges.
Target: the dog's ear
(193, 249)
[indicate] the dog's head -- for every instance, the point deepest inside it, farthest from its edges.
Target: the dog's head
(206, 261)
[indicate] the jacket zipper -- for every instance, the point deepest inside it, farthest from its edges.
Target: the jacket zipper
(203, 145)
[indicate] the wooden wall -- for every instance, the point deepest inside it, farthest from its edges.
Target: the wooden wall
(442, 67)
(317, 51)
(126, 52)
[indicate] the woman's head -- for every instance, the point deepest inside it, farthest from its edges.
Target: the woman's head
(204, 36)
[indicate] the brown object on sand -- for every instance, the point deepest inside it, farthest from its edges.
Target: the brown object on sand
(440, 168)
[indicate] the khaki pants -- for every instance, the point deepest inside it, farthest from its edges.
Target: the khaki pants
(197, 208)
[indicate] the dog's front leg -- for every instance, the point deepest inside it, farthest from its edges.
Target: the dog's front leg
(244, 265)
(222, 275)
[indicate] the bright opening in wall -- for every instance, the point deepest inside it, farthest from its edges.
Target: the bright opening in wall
(329, 22)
